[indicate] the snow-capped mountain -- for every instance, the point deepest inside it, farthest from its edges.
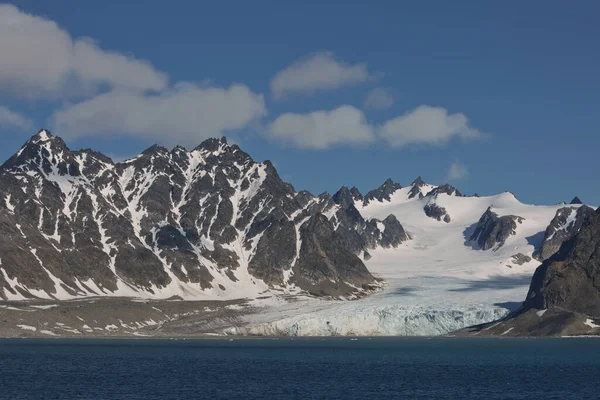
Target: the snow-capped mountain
(206, 223)
(213, 224)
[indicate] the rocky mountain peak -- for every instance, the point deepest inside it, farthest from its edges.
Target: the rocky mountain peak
(346, 197)
(43, 152)
(155, 149)
(213, 144)
(383, 192)
(445, 188)
(416, 186)
(576, 200)
(418, 181)
(356, 194)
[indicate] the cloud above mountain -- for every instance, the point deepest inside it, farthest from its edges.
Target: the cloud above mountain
(317, 72)
(427, 125)
(457, 171)
(41, 59)
(184, 114)
(11, 119)
(345, 125)
(92, 91)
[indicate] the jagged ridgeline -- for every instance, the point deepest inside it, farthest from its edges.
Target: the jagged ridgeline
(210, 222)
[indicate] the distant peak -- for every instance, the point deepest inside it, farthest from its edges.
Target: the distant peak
(390, 184)
(418, 181)
(356, 193)
(445, 188)
(45, 137)
(212, 144)
(155, 148)
(42, 136)
(346, 197)
(576, 200)
(383, 192)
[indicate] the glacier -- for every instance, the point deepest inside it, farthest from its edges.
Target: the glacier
(435, 283)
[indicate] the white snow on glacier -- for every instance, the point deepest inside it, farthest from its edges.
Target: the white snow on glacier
(435, 283)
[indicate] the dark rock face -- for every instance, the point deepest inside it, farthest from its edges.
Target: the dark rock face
(383, 192)
(393, 233)
(346, 197)
(359, 235)
(570, 279)
(492, 231)
(415, 191)
(520, 259)
(565, 224)
(325, 267)
(445, 188)
(435, 211)
(576, 200)
(73, 223)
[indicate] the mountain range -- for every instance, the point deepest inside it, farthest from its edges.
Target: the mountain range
(213, 224)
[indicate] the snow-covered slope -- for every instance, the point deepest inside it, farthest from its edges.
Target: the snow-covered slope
(437, 282)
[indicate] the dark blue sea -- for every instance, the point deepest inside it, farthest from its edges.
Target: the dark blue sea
(333, 368)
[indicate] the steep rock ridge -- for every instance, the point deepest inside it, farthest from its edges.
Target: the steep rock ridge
(445, 188)
(416, 188)
(564, 225)
(492, 231)
(206, 222)
(346, 197)
(383, 192)
(359, 235)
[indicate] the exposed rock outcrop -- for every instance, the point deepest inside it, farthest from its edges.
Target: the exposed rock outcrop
(415, 190)
(383, 192)
(445, 188)
(492, 231)
(435, 211)
(565, 224)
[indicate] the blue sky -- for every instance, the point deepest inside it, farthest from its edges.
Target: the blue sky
(490, 97)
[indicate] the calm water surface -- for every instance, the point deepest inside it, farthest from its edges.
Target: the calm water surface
(334, 368)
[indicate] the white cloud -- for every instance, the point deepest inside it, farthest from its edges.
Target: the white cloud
(427, 125)
(184, 114)
(346, 125)
(379, 99)
(11, 119)
(317, 72)
(40, 59)
(457, 171)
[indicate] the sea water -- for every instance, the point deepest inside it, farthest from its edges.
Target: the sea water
(300, 368)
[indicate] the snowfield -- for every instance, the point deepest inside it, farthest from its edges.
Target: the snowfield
(435, 283)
